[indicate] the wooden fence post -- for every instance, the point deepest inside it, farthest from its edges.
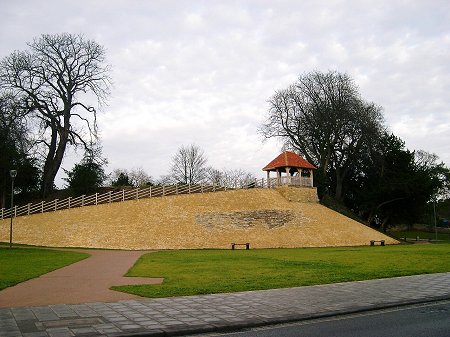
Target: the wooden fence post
(15, 211)
(69, 202)
(150, 192)
(96, 198)
(123, 195)
(29, 206)
(56, 204)
(109, 197)
(137, 193)
(42, 206)
(82, 200)
(163, 189)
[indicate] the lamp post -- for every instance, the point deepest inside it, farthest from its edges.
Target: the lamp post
(13, 174)
(434, 213)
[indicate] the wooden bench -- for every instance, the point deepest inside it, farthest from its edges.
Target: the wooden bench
(372, 242)
(233, 245)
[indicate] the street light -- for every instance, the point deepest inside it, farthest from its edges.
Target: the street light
(13, 174)
(434, 213)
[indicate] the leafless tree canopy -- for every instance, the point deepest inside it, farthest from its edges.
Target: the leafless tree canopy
(324, 118)
(56, 78)
(137, 177)
(425, 159)
(189, 165)
(230, 178)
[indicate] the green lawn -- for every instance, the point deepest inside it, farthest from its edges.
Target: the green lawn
(21, 264)
(421, 235)
(191, 272)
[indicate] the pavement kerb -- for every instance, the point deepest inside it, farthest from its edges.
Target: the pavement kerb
(219, 313)
(235, 327)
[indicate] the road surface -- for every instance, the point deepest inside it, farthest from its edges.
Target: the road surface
(424, 320)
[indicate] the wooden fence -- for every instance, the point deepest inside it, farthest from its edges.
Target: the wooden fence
(147, 192)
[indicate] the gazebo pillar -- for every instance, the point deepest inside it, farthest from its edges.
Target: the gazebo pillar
(311, 176)
(268, 179)
(299, 171)
(278, 177)
(289, 181)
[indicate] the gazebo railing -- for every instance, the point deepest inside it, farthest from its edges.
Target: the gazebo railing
(291, 181)
(148, 192)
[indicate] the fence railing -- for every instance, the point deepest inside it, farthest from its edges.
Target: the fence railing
(147, 192)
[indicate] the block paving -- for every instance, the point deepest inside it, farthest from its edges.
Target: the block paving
(219, 312)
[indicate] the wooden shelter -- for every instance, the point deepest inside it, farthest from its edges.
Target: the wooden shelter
(298, 171)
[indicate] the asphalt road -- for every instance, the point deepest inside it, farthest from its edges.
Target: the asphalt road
(425, 320)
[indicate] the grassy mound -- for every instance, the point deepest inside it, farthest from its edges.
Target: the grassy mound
(262, 217)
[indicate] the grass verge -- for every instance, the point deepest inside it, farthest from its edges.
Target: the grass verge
(422, 235)
(192, 272)
(21, 264)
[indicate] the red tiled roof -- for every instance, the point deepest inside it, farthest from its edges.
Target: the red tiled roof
(288, 159)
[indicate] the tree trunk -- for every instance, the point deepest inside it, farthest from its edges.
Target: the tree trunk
(3, 200)
(370, 217)
(340, 175)
(54, 160)
(384, 224)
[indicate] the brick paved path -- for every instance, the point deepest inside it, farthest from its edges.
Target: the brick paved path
(169, 316)
(86, 281)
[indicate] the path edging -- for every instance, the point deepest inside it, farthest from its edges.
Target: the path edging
(255, 323)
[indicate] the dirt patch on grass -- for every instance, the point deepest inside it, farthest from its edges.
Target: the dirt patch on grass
(269, 218)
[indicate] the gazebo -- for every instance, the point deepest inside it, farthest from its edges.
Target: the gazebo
(299, 172)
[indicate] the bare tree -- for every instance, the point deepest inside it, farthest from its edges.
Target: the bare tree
(135, 177)
(139, 177)
(119, 178)
(323, 117)
(425, 159)
(237, 178)
(51, 78)
(230, 178)
(165, 179)
(189, 165)
(214, 176)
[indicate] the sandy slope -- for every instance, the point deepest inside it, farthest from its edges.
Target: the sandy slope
(262, 217)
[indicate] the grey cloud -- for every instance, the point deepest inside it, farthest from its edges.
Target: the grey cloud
(202, 71)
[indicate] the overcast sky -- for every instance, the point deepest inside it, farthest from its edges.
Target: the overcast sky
(201, 71)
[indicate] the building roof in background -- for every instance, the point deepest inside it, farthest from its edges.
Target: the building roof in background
(288, 159)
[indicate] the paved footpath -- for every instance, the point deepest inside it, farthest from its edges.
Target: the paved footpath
(86, 281)
(219, 312)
